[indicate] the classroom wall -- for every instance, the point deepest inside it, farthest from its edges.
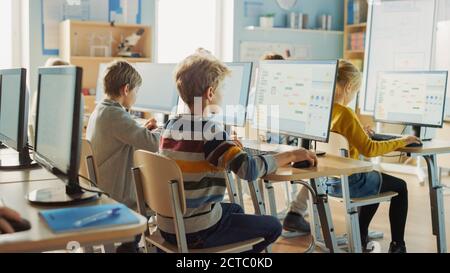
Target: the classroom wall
(323, 46)
(37, 59)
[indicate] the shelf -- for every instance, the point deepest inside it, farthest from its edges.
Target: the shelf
(108, 59)
(361, 25)
(354, 51)
(280, 29)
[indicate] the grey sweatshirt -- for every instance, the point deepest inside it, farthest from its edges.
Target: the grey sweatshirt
(115, 136)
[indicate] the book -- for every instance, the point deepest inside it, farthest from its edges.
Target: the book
(65, 220)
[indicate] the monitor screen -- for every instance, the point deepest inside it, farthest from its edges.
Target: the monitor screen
(295, 98)
(100, 93)
(411, 98)
(13, 114)
(10, 99)
(57, 100)
(158, 92)
(235, 94)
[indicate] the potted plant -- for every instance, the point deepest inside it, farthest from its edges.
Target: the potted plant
(267, 20)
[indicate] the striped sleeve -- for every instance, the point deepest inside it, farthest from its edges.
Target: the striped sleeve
(224, 153)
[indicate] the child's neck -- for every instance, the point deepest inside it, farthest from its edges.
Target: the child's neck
(119, 100)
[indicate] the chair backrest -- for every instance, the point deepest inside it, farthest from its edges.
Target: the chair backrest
(337, 145)
(156, 173)
(88, 166)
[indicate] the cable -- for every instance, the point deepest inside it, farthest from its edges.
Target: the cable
(87, 179)
(99, 192)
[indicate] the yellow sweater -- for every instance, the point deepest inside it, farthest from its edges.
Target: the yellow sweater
(345, 122)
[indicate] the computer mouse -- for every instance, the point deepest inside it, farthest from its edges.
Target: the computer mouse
(302, 165)
(20, 226)
(414, 145)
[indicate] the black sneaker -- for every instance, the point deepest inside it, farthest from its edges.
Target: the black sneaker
(397, 248)
(296, 223)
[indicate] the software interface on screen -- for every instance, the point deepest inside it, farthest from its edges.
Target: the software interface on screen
(296, 98)
(55, 119)
(10, 100)
(411, 97)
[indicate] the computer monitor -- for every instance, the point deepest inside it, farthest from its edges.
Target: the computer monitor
(14, 118)
(296, 98)
(100, 91)
(414, 98)
(235, 96)
(158, 92)
(58, 133)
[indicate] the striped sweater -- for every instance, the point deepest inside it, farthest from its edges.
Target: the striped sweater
(204, 152)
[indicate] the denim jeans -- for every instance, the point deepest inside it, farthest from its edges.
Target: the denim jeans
(234, 227)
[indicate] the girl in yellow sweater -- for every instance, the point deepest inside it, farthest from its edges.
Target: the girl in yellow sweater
(345, 122)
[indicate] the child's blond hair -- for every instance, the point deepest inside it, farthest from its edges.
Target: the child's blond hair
(198, 72)
(348, 80)
(119, 74)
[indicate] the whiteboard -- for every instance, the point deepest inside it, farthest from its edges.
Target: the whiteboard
(254, 51)
(443, 56)
(400, 37)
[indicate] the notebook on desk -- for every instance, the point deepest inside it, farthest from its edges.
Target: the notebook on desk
(68, 219)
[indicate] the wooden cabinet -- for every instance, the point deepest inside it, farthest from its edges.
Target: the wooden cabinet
(81, 39)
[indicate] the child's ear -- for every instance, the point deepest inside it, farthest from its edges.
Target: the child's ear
(209, 94)
(125, 90)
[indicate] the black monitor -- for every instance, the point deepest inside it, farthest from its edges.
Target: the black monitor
(14, 118)
(58, 133)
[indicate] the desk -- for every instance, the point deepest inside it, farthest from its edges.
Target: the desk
(40, 238)
(429, 152)
(328, 165)
(37, 174)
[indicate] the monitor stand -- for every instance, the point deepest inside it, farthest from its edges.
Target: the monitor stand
(61, 196)
(420, 133)
(306, 144)
(22, 162)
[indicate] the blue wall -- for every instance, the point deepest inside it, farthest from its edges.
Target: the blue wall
(323, 46)
(37, 59)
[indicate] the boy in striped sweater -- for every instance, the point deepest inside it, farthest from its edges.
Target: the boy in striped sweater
(204, 151)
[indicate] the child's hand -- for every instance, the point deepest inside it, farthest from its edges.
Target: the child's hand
(151, 124)
(8, 214)
(369, 131)
(304, 155)
(411, 140)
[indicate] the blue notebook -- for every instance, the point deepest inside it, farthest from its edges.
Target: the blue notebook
(67, 220)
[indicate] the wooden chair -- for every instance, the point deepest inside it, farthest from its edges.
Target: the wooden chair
(338, 145)
(159, 185)
(88, 169)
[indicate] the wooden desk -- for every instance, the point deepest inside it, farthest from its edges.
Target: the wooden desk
(32, 175)
(40, 238)
(328, 165)
(429, 152)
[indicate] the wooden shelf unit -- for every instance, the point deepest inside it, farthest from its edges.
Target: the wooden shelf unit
(356, 56)
(74, 45)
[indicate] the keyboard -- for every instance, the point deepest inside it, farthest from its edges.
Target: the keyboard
(382, 137)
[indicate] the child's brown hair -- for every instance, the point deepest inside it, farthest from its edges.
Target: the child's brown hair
(118, 74)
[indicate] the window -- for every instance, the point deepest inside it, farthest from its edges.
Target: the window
(6, 34)
(185, 25)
